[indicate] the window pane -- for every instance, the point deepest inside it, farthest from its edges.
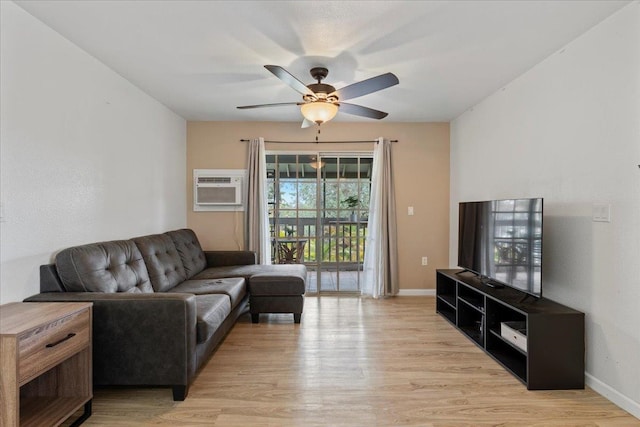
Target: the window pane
(330, 168)
(307, 194)
(288, 193)
(329, 195)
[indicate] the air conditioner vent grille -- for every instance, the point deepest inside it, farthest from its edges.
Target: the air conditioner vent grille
(214, 180)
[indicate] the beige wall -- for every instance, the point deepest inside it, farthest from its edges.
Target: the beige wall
(421, 166)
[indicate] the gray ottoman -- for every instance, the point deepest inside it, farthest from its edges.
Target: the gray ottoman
(279, 291)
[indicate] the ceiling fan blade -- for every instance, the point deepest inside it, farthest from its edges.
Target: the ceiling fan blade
(288, 78)
(306, 124)
(278, 104)
(365, 87)
(359, 110)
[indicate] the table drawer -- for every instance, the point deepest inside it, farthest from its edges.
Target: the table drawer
(46, 346)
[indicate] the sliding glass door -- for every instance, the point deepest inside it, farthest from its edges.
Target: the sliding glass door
(319, 204)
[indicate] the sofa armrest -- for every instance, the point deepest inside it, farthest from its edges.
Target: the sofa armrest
(226, 258)
(139, 338)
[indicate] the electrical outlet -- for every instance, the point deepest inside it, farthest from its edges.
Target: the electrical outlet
(425, 261)
(410, 210)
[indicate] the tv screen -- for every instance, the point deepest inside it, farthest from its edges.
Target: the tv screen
(501, 241)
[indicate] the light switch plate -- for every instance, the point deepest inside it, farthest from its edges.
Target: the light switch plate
(601, 212)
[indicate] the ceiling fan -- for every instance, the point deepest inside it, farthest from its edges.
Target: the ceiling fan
(321, 102)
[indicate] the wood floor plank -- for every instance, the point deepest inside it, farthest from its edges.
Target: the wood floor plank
(354, 362)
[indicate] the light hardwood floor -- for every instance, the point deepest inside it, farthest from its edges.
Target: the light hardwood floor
(354, 362)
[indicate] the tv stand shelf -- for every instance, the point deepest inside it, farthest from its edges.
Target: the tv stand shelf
(554, 355)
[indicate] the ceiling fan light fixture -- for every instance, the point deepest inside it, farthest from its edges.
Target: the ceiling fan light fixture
(319, 111)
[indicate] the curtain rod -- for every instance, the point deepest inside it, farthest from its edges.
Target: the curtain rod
(318, 142)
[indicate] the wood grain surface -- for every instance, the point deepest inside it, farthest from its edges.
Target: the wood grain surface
(354, 362)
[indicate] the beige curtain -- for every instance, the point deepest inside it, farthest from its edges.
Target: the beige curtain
(257, 217)
(381, 255)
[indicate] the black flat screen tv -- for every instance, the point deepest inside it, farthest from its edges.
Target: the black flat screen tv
(501, 241)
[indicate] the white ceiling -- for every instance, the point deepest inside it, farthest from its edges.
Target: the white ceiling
(203, 58)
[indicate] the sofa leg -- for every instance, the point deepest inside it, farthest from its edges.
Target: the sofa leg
(255, 317)
(179, 392)
(297, 317)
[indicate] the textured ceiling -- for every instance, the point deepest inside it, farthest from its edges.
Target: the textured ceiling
(203, 58)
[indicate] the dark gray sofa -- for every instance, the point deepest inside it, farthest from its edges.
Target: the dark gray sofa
(161, 305)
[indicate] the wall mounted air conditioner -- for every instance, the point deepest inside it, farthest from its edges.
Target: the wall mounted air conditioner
(218, 189)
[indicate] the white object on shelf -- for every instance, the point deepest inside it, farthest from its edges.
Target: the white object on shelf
(515, 333)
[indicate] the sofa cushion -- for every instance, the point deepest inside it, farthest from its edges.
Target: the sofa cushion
(235, 288)
(211, 311)
(163, 261)
(225, 258)
(246, 271)
(276, 284)
(190, 251)
(115, 266)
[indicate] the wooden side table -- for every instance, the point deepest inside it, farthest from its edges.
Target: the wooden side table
(45, 360)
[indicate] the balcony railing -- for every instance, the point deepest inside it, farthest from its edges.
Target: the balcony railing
(340, 240)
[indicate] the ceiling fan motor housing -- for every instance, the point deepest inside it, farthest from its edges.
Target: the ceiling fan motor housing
(319, 73)
(321, 89)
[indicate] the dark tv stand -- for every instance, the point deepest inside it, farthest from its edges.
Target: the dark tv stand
(554, 355)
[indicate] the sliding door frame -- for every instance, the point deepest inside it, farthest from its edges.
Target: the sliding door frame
(320, 209)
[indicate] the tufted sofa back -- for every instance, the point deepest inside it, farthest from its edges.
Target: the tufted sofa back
(115, 266)
(163, 261)
(190, 251)
(156, 262)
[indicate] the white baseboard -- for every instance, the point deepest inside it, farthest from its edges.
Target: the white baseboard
(613, 395)
(417, 293)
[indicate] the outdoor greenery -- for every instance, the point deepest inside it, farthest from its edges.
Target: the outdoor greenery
(300, 199)
(351, 202)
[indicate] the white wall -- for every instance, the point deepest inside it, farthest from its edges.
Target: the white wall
(85, 155)
(569, 131)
